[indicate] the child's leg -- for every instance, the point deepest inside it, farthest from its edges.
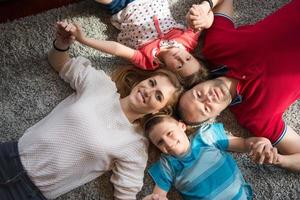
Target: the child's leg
(105, 2)
(114, 6)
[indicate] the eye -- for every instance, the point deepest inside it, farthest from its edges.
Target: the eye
(159, 143)
(158, 96)
(169, 133)
(179, 67)
(207, 109)
(188, 58)
(152, 82)
(198, 95)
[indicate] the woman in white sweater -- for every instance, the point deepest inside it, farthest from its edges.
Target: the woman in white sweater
(90, 132)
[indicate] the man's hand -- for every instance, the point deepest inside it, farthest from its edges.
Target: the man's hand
(155, 197)
(200, 16)
(262, 151)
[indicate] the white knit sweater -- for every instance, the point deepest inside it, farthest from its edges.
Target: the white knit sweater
(84, 136)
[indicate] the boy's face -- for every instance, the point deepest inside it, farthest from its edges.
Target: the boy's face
(180, 61)
(169, 136)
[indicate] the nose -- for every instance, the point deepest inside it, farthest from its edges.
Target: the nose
(148, 91)
(209, 98)
(169, 142)
(180, 58)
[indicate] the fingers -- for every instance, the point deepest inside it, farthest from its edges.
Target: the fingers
(262, 152)
(155, 197)
(64, 27)
(275, 156)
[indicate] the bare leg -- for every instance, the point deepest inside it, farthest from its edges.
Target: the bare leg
(104, 1)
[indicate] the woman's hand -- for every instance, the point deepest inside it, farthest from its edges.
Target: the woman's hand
(262, 151)
(155, 197)
(64, 38)
(200, 16)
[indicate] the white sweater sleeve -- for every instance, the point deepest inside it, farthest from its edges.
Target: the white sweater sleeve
(80, 74)
(128, 172)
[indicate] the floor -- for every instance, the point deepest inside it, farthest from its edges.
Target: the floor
(14, 9)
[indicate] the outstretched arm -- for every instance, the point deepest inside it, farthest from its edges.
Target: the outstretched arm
(260, 149)
(201, 16)
(289, 147)
(157, 194)
(110, 47)
(58, 56)
(225, 7)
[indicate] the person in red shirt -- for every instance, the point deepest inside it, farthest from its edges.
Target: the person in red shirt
(260, 76)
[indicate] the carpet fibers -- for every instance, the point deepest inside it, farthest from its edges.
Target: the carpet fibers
(30, 88)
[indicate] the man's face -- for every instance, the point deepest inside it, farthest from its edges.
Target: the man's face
(205, 101)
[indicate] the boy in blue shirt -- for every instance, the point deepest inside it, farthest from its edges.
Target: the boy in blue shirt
(199, 167)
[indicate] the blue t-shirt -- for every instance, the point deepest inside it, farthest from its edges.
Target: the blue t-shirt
(206, 171)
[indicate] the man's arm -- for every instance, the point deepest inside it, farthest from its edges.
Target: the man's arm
(289, 148)
(225, 7)
(58, 55)
(260, 149)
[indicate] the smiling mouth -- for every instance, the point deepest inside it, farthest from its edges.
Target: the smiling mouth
(142, 96)
(174, 145)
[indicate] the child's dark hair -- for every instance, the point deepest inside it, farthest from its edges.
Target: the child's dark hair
(200, 76)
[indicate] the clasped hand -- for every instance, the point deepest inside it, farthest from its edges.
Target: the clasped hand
(262, 152)
(200, 16)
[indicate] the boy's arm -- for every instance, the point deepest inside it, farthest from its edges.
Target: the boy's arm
(260, 149)
(110, 47)
(157, 194)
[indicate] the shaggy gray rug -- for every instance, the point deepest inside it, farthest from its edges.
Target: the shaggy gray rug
(30, 88)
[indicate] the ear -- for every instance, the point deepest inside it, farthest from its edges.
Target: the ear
(182, 125)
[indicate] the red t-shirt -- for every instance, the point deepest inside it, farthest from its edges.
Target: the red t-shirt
(264, 57)
(144, 56)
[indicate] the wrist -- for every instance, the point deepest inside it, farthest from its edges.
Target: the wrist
(208, 3)
(60, 46)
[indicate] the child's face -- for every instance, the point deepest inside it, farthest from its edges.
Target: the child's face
(181, 61)
(169, 136)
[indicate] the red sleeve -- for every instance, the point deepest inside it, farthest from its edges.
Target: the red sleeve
(142, 61)
(260, 123)
(216, 32)
(218, 40)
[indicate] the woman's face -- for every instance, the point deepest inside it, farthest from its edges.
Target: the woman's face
(151, 95)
